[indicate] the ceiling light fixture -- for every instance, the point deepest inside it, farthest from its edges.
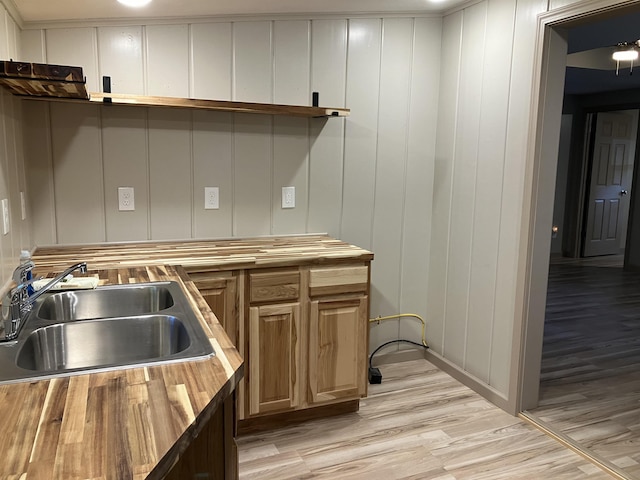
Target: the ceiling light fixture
(626, 52)
(134, 3)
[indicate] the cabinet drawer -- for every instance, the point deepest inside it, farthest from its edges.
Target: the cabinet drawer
(336, 280)
(207, 280)
(274, 286)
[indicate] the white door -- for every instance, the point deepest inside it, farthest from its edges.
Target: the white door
(611, 172)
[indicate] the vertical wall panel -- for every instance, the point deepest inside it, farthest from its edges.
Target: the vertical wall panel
(12, 44)
(15, 213)
(443, 178)
(167, 60)
(363, 84)
(488, 200)
(120, 54)
(252, 172)
(33, 46)
(290, 135)
(18, 40)
(8, 240)
(211, 58)
(290, 169)
(328, 77)
(464, 179)
(77, 47)
(418, 193)
(170, 173)
(4, 33)
(77, 173)
(213, 167)
(513, 189)
(291, 62)
(124, 152)
(25, 223)
(252, 61)
(38, 158)
(393, 117)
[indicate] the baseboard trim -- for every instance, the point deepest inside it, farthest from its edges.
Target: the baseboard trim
(446, 366)
(571, 444)
(399, 356)
(469, 380)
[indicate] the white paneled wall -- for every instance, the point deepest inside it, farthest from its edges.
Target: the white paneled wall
(12, 171)
(479, 185)
(120, 51)
(366, 179)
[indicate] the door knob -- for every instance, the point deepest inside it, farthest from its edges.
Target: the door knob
(623, 192)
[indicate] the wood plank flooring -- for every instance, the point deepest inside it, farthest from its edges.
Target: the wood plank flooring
(590, 377)
(420, 423)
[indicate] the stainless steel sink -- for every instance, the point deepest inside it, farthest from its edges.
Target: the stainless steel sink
(105, 302)
(105, 342)
(107, 328)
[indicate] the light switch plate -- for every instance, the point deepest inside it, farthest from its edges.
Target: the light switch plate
(211, 198)
(126, 199)
(5, 216)
(288, 197)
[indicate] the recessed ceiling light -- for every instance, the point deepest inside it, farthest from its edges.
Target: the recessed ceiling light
(134, 3)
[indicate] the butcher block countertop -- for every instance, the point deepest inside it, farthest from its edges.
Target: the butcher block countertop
(233, 254)
(128, 423)
(136, 422)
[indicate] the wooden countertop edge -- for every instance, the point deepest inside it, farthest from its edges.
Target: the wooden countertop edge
(171, 457)
(166, 463)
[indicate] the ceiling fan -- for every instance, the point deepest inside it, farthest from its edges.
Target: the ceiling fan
(611, 57)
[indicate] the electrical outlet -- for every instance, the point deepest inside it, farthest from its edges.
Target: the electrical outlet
(126, 199)
(288, 197)
(23, 206)
(5, 216)
(211, 198)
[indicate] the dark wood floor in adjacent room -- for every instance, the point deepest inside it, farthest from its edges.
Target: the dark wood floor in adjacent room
(590, 382)
(420, 423)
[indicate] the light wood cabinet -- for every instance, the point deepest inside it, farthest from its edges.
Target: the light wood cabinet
(274, 358)
(220, 291)
(337, 349)
(338, 333)
(303, 333)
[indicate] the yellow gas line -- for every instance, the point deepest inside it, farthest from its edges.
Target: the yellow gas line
(391, 317)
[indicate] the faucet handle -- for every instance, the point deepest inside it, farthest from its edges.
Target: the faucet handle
(20, 273)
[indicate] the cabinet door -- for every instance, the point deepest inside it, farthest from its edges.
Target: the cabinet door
(220, 293)
(274, 358)
(337, 349)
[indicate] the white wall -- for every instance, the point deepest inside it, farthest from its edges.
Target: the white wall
(12, 172)
(486, 78)
(367, 179)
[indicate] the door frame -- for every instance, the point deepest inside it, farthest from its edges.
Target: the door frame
(540, 171)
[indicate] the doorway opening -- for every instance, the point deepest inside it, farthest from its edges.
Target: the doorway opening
(590, 308)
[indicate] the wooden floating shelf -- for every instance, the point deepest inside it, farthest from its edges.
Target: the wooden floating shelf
(64, 83)
(220, 105)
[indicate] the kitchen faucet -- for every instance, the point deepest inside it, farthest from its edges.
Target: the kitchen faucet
(16, 304)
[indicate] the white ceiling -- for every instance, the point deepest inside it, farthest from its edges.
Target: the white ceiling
(54, 10)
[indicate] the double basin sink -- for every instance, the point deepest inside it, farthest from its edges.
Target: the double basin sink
(107, 328)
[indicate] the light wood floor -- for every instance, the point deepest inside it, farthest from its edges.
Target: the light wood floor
(590, 378)
(420, 423)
